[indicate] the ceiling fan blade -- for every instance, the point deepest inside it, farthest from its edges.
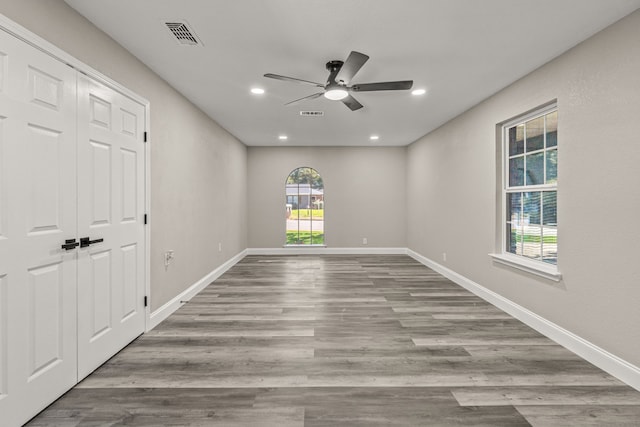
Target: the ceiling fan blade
(351, 66)
(314, 96)
(369, 87)
(352, 103)
(292, 79)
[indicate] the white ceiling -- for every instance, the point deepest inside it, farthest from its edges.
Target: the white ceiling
(460, 51)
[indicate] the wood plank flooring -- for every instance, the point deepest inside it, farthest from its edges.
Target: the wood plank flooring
(343, 341)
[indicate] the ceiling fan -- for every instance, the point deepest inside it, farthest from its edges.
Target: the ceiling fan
(337, 86)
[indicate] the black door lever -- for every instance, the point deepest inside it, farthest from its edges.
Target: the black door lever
(70, 244)
(84, 242)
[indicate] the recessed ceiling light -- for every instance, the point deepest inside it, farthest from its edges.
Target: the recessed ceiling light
(419, 92)
(374, 137)
(283, 137)
(257, 90)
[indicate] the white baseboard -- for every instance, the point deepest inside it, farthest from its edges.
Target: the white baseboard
(168, 308)
(619, 368)
(320, 250)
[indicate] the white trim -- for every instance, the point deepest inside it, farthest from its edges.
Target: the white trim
(534, 113)
(619, 368)
(147, 212)
(548, 271)
(171, 306)
(317, 250)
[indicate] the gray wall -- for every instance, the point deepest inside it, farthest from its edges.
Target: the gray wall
(451, 187)
(198, 170)
(364, 194)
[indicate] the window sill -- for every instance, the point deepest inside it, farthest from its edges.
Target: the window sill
(303, 246)
(537, 268)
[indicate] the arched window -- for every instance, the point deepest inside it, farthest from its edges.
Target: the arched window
(304, 192)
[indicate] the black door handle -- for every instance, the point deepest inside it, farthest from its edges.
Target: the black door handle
(84, 242)
(70, 244)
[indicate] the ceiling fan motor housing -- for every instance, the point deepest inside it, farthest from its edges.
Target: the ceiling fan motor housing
(333, 67)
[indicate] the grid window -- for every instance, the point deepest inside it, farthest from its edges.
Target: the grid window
(530, 193)
(304, 192)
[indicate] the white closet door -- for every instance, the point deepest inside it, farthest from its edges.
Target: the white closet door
(110, 207)
(38, 335)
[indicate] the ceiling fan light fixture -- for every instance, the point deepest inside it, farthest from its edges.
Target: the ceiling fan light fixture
(337, 84)
(336, 94)
(418, 92)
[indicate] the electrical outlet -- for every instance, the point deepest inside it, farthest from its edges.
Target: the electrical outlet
(364, 240)
(220, 247)
(444, 256)
(168, 256)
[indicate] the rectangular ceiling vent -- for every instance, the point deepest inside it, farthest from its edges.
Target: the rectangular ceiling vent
(312, 113)
(182, 33)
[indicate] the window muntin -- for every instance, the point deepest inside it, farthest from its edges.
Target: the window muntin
(530, 192)
(304, 195)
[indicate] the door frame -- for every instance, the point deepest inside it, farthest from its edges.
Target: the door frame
(43, 45)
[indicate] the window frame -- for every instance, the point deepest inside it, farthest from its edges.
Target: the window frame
(297, 197)
(503, 256)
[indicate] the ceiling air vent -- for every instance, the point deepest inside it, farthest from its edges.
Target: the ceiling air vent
(182, 33)
(312, 113)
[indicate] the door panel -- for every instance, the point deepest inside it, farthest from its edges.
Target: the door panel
(130, 276)
(100, 286)
(100, 176)
(130, 183)
(110, 206)
(44, 89)
(3, 179)
(99, 111)
(3, 335)
(46, 149)
(4, 247)
(3, 69)
(45, 318)
(130, 123)
(38, 209)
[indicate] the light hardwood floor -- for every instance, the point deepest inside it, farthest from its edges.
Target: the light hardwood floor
(343, 341)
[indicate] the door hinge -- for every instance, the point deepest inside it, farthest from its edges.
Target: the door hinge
(146, 301)
(145, 219)
(145, 136)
